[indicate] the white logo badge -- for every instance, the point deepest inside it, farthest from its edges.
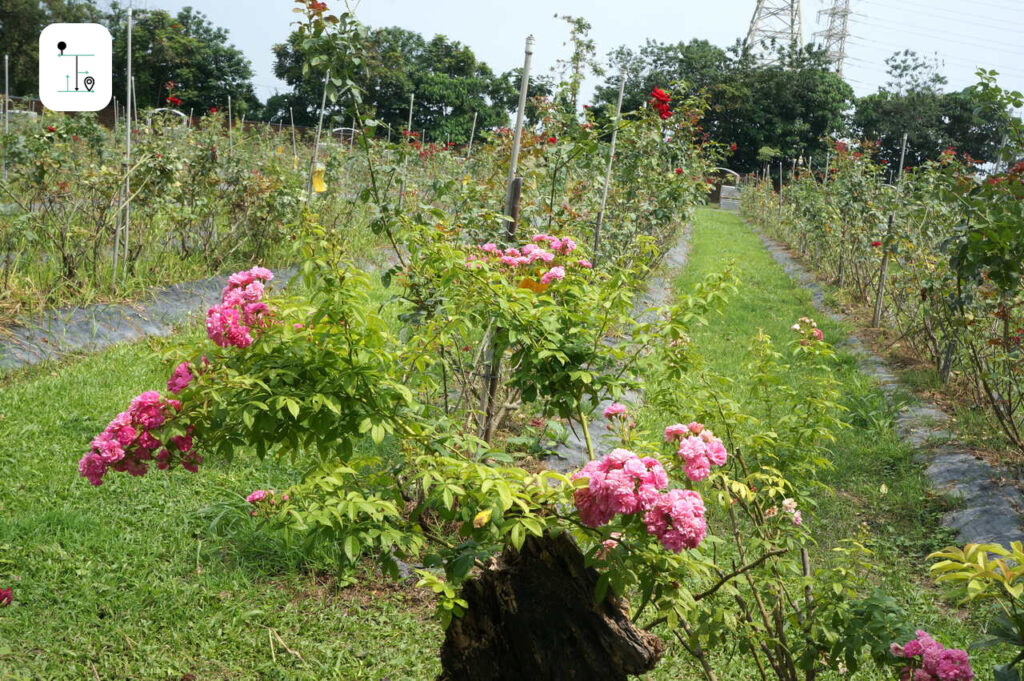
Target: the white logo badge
(75, 67)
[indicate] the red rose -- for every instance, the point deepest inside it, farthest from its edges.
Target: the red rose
(660, 95)
(213, 109)
(876, 244)
(50, 128)
(732, 147)
(5, 598)
(552, 140)
(679, 171)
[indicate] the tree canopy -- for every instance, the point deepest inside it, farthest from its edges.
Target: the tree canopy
(185, 50)
(792, 105)
(447, 80)
(913, 102)
(21, 22)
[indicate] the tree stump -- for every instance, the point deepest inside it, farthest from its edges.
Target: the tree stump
(532, 616)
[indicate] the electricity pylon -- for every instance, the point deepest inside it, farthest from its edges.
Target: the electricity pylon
(833, 38)
(776, 23)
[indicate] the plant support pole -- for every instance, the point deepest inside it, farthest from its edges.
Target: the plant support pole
(121, 234)
(472, 133)
(295, 154)
(876, 317)
(513, 166)
(7, 109)
(405, 155)
(316, 141)
(608, 170)
(514, 193)
(230, 140)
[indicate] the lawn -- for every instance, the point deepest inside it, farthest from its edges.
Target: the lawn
(165, 576)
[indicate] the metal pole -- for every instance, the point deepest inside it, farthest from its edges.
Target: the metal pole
(405, 156)
(903, 156)
(295, 154)
(229, 125)
(126, 223)
(316, 142)
(608, 169)
(472, 134)
(7, 108)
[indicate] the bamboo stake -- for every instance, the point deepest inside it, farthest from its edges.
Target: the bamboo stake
(513, 165)
(493, 354)
(608, 170)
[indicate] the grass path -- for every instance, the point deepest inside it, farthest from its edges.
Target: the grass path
(901, 523)
(129, 581)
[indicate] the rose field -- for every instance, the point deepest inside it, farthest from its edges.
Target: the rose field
(508, 401)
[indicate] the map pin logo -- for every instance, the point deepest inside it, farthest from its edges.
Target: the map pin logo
(89, 82)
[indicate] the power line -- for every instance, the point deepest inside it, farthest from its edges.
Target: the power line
(912, 8)
(946, 38)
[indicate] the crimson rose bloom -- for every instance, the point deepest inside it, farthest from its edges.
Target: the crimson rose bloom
(876, 244)
(5, 598)
(552, 140)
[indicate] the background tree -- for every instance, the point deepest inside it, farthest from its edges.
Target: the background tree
(187, 50)
(21, 22)
(913, 102)
(449, 83)
(695, 65)
(792, 105)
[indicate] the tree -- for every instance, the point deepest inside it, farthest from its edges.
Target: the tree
(695, 65)
(448, 82)
(182, 56)
(791, 105)
(21, 22)
(913, 103)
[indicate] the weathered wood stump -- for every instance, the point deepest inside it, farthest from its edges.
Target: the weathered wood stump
(533, 616)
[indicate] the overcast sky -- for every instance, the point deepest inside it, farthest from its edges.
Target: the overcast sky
(964, 34)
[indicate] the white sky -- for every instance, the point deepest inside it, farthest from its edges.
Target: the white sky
(964, 34)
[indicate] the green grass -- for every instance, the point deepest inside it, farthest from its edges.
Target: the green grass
(126, 580)
(901, 526)
(130, 581)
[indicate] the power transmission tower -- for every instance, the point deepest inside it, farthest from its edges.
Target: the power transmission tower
(833, 38)
(776, 23)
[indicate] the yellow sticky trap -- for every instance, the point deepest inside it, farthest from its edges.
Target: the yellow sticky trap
(280, 150)
(532, 284)
(319, 186)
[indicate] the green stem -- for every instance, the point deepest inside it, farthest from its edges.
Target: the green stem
(586, 434)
